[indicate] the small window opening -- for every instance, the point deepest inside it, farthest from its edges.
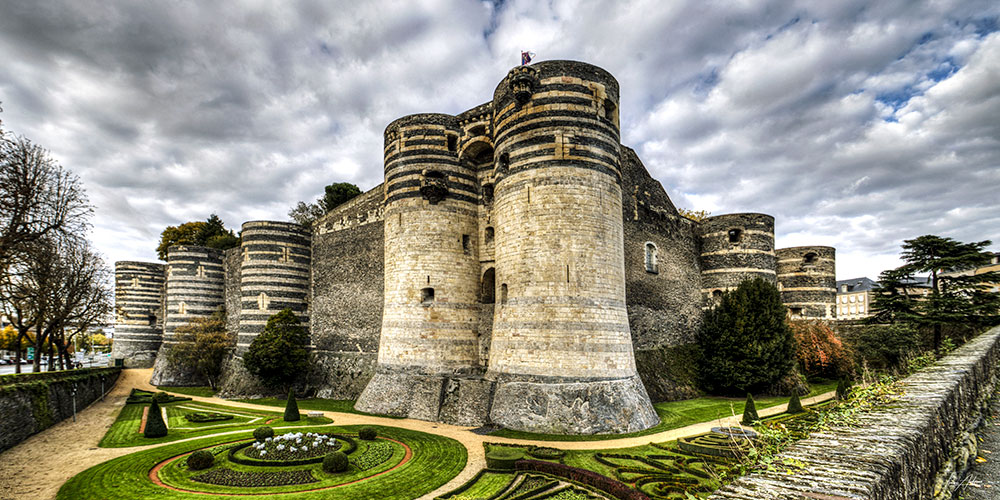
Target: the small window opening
(452, 142)
(652, 266)
(477, 130)
(426, 296)
(717, 294)
(489, 286)
(795, 311)
(843, 288)
(503, 163)
(809, 258)
(735, 235)
(488, 192)
(466, 244)
(503, 294)
(152, 320)
(610, 111)
(489, 235)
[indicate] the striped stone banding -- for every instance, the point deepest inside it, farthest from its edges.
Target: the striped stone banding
(195, 280)
(810, 285)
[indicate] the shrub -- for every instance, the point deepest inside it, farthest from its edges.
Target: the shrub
(503, 457)
(886, 346)
(262, 433)
(546, 453)
(750, 411)
(794, 404)
(201, 417)
(291, 408)
(614, 488)
(335, 462)
(820, 351)
(367, 433)
(278, 355)
(155, 427)
(161, 397)
(201, 459)
(843, 389)
(745, 342)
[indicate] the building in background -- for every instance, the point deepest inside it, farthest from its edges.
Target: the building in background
(854, 297)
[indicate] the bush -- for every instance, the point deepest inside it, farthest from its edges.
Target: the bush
(843, 389)
(291, 408)
(278, 355)
(503, 457)
(201, 459)
(746, 344)
(820, 351)
(367, 433)
(202, 417)
(161, 397)
(262, 433)
(794, 404)
(155, 427)
(335, 462)
(750, 411)
(886, 347)
(614, 488)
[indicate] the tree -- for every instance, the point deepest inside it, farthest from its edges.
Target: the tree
(745, 342)
(211, 233)
(334, 195)
(155, 426)
(291, 408)
(278, 355)
(955, 298)
(202, 346)
(695, 215)
(40, 198)
(820, 351)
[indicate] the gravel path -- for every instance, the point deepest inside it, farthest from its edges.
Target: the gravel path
(36, 468)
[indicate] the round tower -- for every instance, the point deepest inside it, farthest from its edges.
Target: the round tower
(735, 248)
(139, 288)
(274, 275)
(431, 306)
(561, 352)
(807, 278)
(195, 289)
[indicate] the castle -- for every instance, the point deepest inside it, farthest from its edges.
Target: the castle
(518, 267)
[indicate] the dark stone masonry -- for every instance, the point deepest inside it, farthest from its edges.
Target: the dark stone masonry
(917, 447)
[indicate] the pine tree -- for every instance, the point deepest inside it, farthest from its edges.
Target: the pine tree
(750, 411)
(291, 408)
(745, 341)
(155, 427)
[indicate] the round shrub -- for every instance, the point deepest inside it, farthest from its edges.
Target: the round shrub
(161, 397)
(503, 458)
(335, 462)
(262, 433)
(367, 433)
(545, 453)
(201, 459)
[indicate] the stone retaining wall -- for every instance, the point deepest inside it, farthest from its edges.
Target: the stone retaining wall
(31, 403)
(917, 447)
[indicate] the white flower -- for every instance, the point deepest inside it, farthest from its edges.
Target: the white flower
(281, 447)
(292, 449)
(263, 452)
(268, 440)
(305, 448)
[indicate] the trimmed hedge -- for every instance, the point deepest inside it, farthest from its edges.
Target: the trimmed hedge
(617, 489)
(367, 433)
(155, 426)
(335, 462)
(201, 459)
(291, 408)
(139, 396)
(202, 417)
(262, 433)
(20, 378)
(503, 458)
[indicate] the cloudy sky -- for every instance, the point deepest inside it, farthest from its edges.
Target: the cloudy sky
(856, 124)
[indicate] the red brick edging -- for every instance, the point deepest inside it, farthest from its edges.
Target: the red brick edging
(145, 415)
(154, 474)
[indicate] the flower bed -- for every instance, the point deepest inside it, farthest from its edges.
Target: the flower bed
(228, 477)
(376, 454)
(293, 446)
(201, 417)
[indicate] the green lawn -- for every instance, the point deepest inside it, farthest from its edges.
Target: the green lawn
(203, 392)
(125, 431)
(338, 405)
(435, 460)
(674, 415)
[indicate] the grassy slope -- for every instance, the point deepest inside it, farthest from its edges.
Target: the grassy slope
(435, 460)
(125, 431)
(674, 415)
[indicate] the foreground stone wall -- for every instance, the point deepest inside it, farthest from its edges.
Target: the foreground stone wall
(915, 448)
(31, 403)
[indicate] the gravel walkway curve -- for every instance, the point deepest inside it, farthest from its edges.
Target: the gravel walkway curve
(36, 468)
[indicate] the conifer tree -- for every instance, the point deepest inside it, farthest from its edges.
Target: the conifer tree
(155, 426)
(750, 411)
(794, 404)
(291, 408)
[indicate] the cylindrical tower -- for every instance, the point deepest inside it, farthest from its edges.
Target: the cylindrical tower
(274, 275)
(561, 350)
(735, 248)
(195, 289)
(431, 307)
(139, 288)
(807, 278)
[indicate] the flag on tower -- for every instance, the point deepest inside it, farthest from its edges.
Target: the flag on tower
(526, 57)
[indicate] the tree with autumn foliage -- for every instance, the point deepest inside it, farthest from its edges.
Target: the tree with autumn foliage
(820, 350)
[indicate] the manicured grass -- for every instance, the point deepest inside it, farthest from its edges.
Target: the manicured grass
(435, 460)
(486, 485)
(338, 405)
(674, 415)
(125, 431)
(203, 392)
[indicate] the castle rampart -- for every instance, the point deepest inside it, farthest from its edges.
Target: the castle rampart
(735, 248)
(139, 295)
(808, 281)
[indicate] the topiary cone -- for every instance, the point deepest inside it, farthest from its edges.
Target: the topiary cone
(291, 408)
(155, 427)
(794, 404)
(842, 390)
(750, 411)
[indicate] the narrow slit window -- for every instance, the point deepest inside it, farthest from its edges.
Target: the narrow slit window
(452, 142)
(466, 244)
(503, 294)
(489, 286)
(809, 258)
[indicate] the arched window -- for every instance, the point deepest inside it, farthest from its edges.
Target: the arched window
(652, 265)
(489, 286)
(488, 236)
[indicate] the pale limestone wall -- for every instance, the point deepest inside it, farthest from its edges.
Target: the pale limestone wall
(139, 293)
(807, 278)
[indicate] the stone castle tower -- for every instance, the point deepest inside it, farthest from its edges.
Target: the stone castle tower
(518, 266)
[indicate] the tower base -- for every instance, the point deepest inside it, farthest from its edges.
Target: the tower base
(452, 399)
(598, 407)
